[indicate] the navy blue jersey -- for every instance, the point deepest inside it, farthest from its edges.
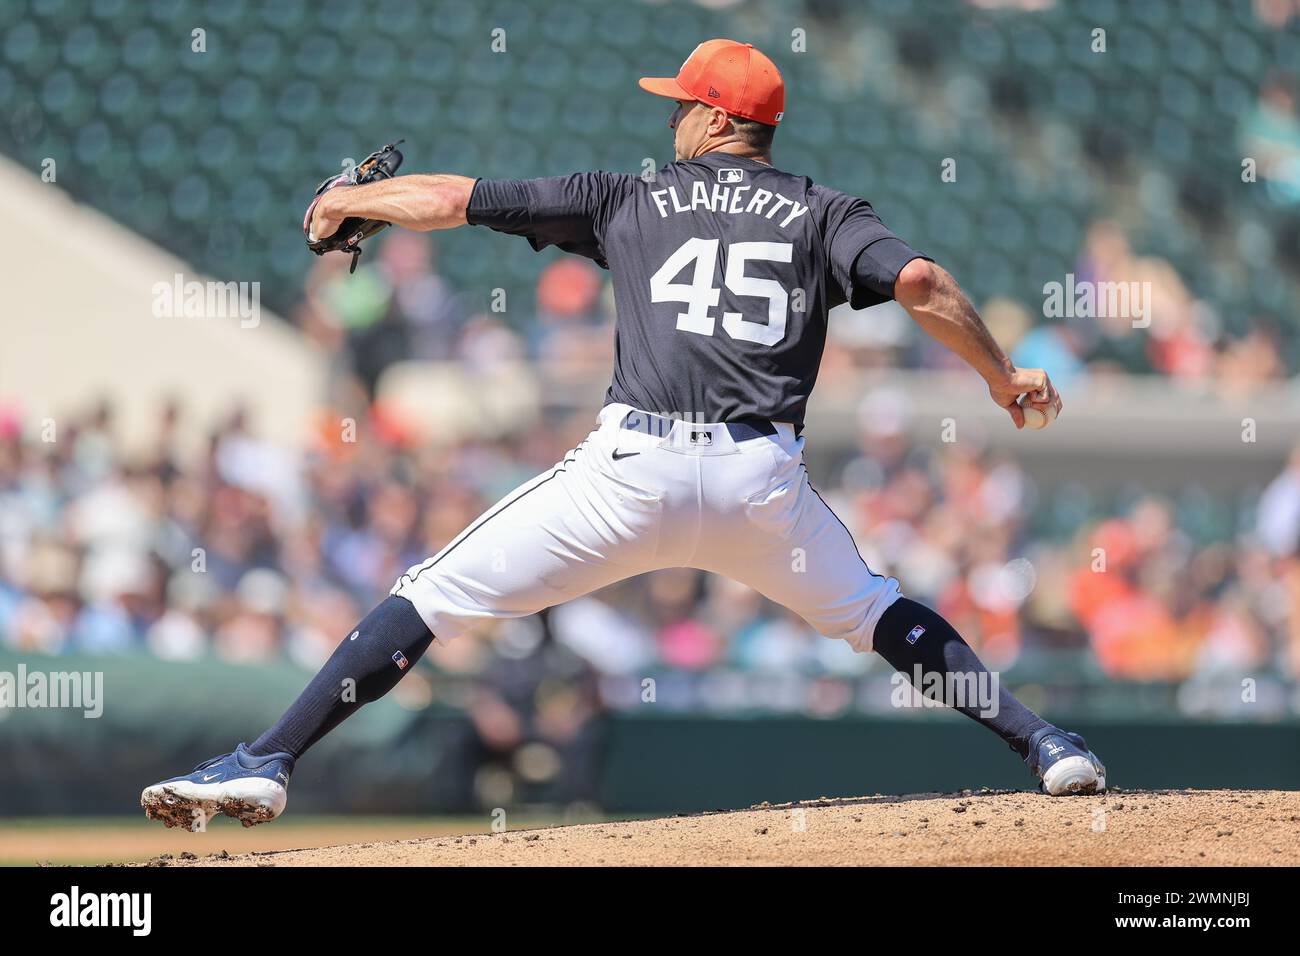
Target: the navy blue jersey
(724, 269)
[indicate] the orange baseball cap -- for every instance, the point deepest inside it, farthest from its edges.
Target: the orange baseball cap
(731, 75)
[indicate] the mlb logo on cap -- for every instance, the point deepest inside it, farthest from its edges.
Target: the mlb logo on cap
(914, 634)
(400, 660)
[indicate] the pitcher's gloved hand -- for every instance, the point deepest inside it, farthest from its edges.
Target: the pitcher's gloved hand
(381, 164)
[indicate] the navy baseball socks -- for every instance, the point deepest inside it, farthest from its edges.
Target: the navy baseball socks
(251, 783)
(365, 666)
(926, 649)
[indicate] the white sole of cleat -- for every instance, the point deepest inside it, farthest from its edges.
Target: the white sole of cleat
(251, 801)
(1073, 775)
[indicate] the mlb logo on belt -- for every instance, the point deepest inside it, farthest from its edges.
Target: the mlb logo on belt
(730, 175)
(701, 438)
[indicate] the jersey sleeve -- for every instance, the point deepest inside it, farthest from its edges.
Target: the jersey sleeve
(863, 257)
(566, 211)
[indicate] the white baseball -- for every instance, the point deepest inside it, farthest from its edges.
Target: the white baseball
(1037, 417)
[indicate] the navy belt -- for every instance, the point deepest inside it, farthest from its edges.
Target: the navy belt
(659, 425)
(750, 428)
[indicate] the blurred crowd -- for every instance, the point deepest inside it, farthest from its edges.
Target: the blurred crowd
(400, 307)
(247, 554)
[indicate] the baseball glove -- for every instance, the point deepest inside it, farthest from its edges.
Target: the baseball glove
(381, 164)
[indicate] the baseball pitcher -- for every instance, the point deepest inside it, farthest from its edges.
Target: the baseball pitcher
(724, 268)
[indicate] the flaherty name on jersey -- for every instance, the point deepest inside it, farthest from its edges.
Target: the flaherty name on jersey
(729, 199)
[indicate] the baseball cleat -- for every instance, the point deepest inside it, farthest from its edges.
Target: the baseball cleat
(1064, 764)
(249, 788)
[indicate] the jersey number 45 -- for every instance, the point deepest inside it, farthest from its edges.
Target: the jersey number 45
(700, 295)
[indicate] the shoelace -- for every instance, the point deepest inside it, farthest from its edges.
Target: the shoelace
(212, 762)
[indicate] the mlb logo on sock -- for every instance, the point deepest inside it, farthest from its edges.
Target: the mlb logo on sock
(914, 634)
(400, 660)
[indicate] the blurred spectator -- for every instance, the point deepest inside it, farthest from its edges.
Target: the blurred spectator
(1278, 524)
(1270, 134)
(572, 336)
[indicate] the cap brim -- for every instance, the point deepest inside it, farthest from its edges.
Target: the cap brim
(664, 86)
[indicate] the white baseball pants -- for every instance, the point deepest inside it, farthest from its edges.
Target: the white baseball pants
(641, 494)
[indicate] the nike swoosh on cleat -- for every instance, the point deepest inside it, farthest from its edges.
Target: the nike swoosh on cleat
(206, 778)
(627, 454)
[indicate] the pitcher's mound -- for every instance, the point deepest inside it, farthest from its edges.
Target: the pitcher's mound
(1148, 827)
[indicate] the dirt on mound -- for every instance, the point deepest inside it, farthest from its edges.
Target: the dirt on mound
(1185, 827)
